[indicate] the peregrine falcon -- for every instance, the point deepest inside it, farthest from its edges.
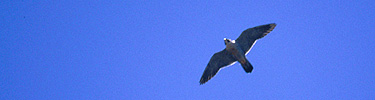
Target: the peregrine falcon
(236, 50)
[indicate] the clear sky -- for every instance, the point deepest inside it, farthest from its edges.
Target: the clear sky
(135, 49)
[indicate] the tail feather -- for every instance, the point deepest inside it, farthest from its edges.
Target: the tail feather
(247, 66)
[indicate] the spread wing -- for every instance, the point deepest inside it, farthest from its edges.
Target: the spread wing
(248, 37)
(217, 61)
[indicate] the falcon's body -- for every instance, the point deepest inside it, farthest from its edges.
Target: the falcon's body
(236, 50)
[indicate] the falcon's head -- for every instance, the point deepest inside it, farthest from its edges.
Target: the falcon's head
(227, 41)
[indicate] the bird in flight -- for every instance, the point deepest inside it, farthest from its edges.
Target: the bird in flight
(236, 50)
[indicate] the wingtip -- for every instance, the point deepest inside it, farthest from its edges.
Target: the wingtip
(201, 83)
(273, 25)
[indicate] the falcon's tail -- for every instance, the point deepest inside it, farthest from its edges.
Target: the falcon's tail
(247, 66)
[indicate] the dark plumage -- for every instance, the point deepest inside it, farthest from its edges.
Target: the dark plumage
(237, 51)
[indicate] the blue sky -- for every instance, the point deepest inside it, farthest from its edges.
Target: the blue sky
(159, 49)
